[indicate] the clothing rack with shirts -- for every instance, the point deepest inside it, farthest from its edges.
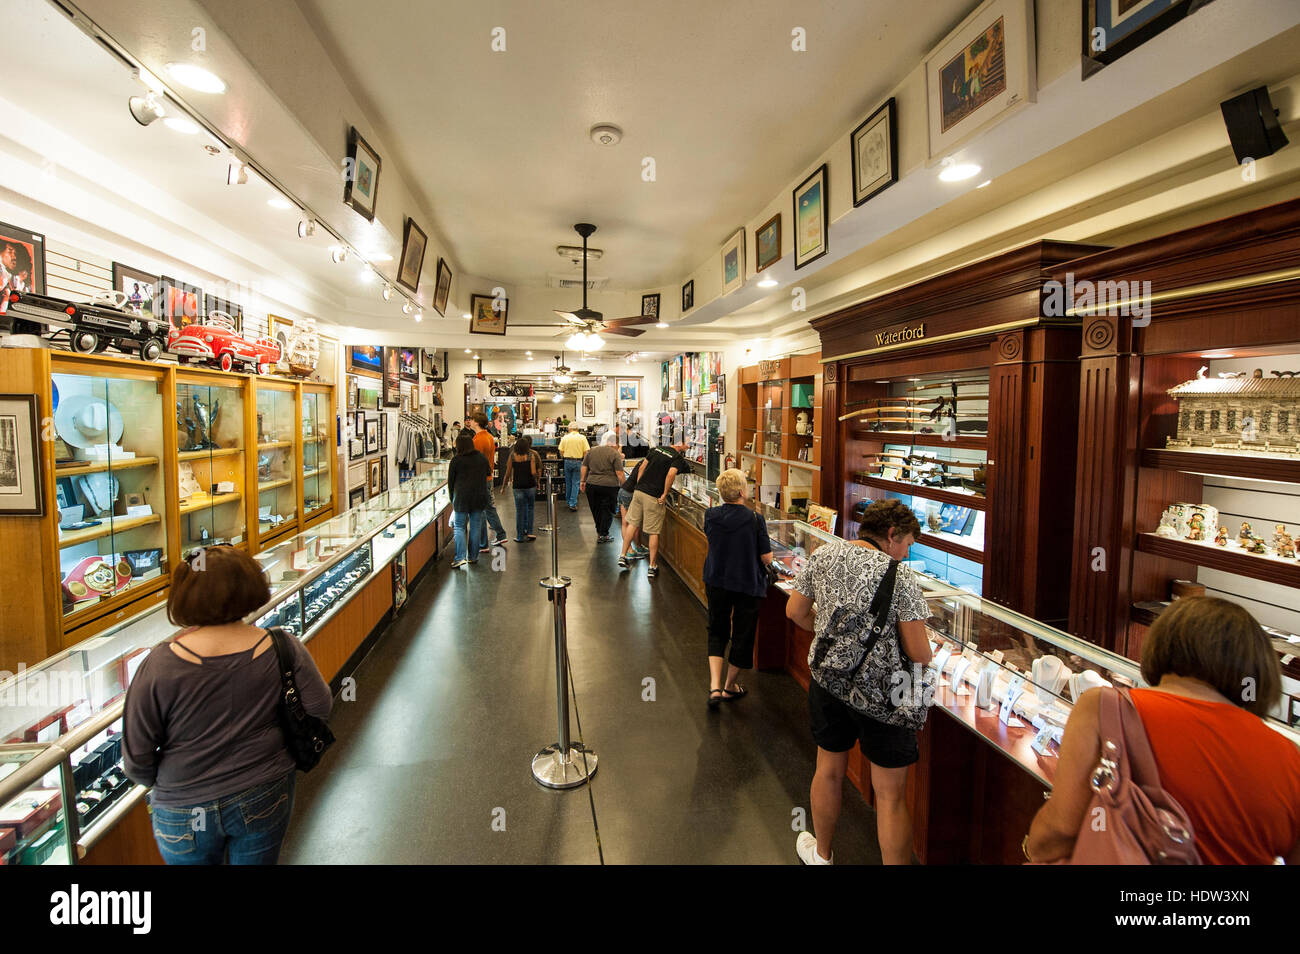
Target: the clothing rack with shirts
(417, 437)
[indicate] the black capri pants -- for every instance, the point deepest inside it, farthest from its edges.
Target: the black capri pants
(733, 617)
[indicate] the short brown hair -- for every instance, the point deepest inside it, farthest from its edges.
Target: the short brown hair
(1218, 643)
(882, 515)
(480, 419)
(215, 586)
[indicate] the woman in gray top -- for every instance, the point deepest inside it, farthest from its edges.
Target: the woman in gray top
(201, 722)
(602, 472)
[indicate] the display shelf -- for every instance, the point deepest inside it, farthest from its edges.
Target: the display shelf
(972, 500)
(1223, 464)
(274, 445)
(801, 464)
(215, 500)
(969, 442)
(263, 486)
(947, 543)
(1229, 559)
(71, 538)
(207, 454)
(101, 466)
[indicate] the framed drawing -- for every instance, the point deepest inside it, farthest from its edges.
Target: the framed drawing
(357, 447)
(352, 393)
(372, 435)
(414, 242)
(487, 315)
(366, 359)
(874, 148)
(767, 243)
(20, 457)
(179, 302)
(139, 287)
(213, 303)
(628, 392)
(280, 330)
(443, 288)
(722, 389)
(383, 432)
(650, 306)
(733, 262)
(810, 218)
(589, 405)
(688, 296)
(375, 470)
(981, 72)
(1112, 28)
(408, 362)
(356, 497)
(22, 260)
(361, 176)
(392, 377)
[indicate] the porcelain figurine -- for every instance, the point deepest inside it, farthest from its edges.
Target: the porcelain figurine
(801, 423)
(1221, 538)
(1283, 544)
(1196, 527)
(1168, 524)
(1245, 536)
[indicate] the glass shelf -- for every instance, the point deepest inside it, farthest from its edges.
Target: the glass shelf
(317, 452)
(210, 467)
(276, 467)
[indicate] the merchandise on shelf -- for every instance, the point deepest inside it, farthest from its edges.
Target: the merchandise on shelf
(94, 326)
(215, 341)
(1236, 413)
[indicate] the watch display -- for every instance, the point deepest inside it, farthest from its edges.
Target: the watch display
(334, 584)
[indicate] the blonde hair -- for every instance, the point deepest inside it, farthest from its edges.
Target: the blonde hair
(731, 484)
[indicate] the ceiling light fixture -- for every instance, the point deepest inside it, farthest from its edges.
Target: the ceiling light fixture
(768, 283)
(466, 315)
(406, 308)
(387, 292)
(661, 324)
(606, 134)
(145, 109)
(529, 353)
(984, 183)
(367, 274)
(196, 77)
(577, 341)
(557, 398)
(279, 203)
(561, 379)
(181, 125)
(419, 315)
(478, 357)
(954, 171)
(467, 351)
(306, 227)
(339, 254)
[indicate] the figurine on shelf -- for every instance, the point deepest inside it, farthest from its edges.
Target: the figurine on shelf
(1196, 527)
(1283, 544)
(264, 466)
(801, 423)
(1257, 545)
(1220, 538)
(1168, 524)
(1245, 536)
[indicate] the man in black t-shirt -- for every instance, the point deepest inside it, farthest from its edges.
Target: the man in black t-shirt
(649, 501)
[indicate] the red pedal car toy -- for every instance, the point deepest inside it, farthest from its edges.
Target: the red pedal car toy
(215, 340)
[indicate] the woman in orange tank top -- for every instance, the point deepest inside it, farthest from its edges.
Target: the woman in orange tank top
(1214, 674)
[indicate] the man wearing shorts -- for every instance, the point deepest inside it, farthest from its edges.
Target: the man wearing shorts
(649, 501)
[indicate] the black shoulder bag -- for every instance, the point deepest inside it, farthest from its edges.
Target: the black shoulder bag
(305, 736)
(766, 571)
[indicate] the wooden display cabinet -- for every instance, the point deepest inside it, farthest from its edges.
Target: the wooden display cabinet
(275, 468)
(783, 464)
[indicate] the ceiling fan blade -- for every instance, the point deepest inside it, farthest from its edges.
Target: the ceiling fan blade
(568, 316)
(627, 332)
(634, 320)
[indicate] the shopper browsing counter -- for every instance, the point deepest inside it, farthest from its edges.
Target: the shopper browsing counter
(649, 501)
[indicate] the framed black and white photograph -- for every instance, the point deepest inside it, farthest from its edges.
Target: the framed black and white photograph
(372, 435)
(589, 405)
(356, 447)
(361, 176)
(375, 470)
(650, 306)
(688, 296)
(414, 242)
(138, 287)
(810, 218)
(22, 259)
(383, 432)
(722, 389)
(443, 288)
(356, 497)
(20, 457)
(874, 147)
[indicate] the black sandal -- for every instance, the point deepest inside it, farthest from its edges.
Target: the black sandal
(730, 694)
(714, 702)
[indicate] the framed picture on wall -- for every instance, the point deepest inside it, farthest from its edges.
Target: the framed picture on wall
(810, 218)
(22, 259)
(383, 479)
(352, 393)
(375, 470)
(414, 242)
(383, 432)
(392, 378)
(20, 457)
(722, 389)
(366, 359)
(426, 364)
(361, 176)
(628, 392)
(589, 405)
(138, 287)
(410, 369)
(372, 435)
(280, 330)
(356, 497)
(443, 288)
(357, 447)
(650, 306)
(488, 315)
(733, 262)
(688, 296)
(767, 243)
(1111, 29)
(179, 302)
(213, 303)
(874, 147)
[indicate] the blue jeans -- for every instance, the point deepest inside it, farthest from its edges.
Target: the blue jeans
(493, 518)
(245, 829)
(524, 501)
(572, 478)
(477, 535)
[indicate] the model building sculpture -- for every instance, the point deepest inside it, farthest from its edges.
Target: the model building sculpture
(1258, 414)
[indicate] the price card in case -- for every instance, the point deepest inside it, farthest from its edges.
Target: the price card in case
(1043, 741)
(1014, 688)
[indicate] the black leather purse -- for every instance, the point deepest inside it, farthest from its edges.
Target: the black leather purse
(766, 571)
(305, 736)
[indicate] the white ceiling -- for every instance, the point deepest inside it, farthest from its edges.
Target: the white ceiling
(497, 142)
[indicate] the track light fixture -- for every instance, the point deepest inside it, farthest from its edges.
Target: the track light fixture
(339, 254)
(387, 292)
(236, 174)
(145, 109)
(406, 308)
(306, 227)
(419, 315)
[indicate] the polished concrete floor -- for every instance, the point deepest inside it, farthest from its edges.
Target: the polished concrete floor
(432, 763)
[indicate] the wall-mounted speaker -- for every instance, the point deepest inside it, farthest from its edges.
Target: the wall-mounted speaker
(1252, 125)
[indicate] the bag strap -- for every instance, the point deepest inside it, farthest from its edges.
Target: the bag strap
(881, 601)
(288, 684)
(1139, 759)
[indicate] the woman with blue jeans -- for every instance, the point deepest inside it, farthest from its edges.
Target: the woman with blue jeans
(523, 474)
(201, 722)
(467, 479)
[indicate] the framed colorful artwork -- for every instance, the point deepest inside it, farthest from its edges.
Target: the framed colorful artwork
(981, 73)
(628, 392)
(733, 262)
(488, 315)
(767, 243)
(366, 359)
(179, 302)
(650, 306)
(392, 378)
(138, 287)
(874, 147)
(414, 242)
(361, 176)
(1113, 28)
(443, 288)
(22, 259)
(810, 218)
(409, 358)
(20, 457)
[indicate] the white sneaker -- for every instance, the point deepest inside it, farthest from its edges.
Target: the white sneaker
(805, 847)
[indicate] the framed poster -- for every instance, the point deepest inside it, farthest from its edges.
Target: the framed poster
(487, 315)
(408, 362)
(352, 393)
(375, 470)
(366, 359)
(138, 287)
(628, 392)
(383, 431)
(399, 580)
(383, 477)
(372, 435)
(688, 296)
(414, 242)
(874, 147)
(650, 306)
(767, 243)
(733, 262)
(426, 364)
(663, 381)
(357, 447)
(722, 389)
(356, 497)
(280, 330)
(810, 218)
(443, 288)
(981, 72)
(392, 377)
(1112, 28)
(20, 457)
(179, 301)
(361, 176)
(22, 260)
(589, 405)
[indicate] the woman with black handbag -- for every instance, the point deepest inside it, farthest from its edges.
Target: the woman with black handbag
(206, 722)
(735, 581)
(867, 663)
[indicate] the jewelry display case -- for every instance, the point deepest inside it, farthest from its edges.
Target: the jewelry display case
(276, 467)
(210, 468)
(33, 821)
(780, 427)
(317, 452)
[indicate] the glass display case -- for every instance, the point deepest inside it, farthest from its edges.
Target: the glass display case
(276, 467)
(793, 542)
(317, 452)
(33, 822)
(210, 461)
(109, 484)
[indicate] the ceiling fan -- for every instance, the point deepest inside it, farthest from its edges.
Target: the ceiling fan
(587, 321)
(563, 374)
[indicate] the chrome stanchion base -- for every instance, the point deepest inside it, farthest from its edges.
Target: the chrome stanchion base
(555, 582)
(553, 770)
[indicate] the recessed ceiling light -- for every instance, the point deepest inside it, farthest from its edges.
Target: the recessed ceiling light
(768, 283)
(661, 324)
(196, 77)
(278, 203)
(530, 357)
(477, 357)
(528, 353)
(181, 125)
(467, 351)
(466, 315)
(959, 171)
(984, 183)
